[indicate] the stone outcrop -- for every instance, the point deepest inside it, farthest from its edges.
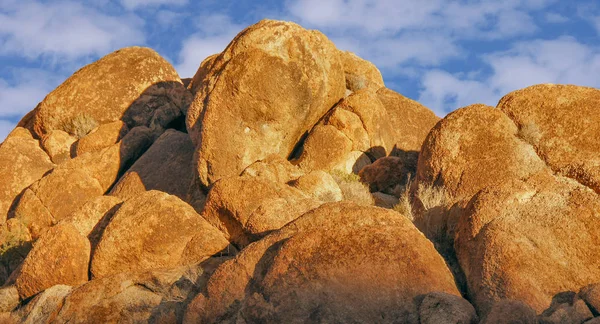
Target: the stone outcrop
(131, 85)
(154, 230)
(24, 162)
(337, 263)
(270, 86)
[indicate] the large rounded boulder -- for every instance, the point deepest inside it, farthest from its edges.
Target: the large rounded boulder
(272, 83)
(154, 230)
(338, 263)
(130, 84)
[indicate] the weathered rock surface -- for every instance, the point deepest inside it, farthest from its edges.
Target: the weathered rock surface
(78, 181)
(60, 256)
(100, 138)
(360, 73)
(93, 217)
(157, 296)
(9, 298)
(337, 263)
(129, 85)
(591, 295)
(44, 307)
(247, 208)
(521, 221)
(154, 230)
(57, 144)
(560, 121)
(167, 166)
(270, 86)
(320, 185)
(24, 162)
(566, 307)
(376, 123)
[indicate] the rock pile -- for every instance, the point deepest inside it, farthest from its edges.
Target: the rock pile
(255, 193)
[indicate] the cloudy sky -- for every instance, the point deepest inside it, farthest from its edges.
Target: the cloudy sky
(444, 53)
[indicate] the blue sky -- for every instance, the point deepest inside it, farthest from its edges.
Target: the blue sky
(445, 54)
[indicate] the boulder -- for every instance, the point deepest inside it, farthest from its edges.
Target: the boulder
(375, 123)
(444, 308)
(508, 311)
(352, 189)
(269, 87)
(129, 85)
(100, 138)
(60, 256)
(167, 166)
(566, 307)
(591, 295)
(548, 116)
(24, 162)
(44, 307)
(57, 144)
(154, 230)
(246, 208)
(337, 263)
(156, 296)
(78, 181)
(360, 73)
(385, 200)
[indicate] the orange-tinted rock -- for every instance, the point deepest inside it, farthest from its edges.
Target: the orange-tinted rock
(57, 144)
(91, 219)
(167, 166)
(337, 263)
(9, 298)
(44, 307)
(360, 73)
(591, 295)
(100, 138)
(78, 181)
(156, 296)
(273, 168)
(195, 83)
(153, 231)
(324, 149)
(474, 148)
(248, 208)
(271, 85)
(24, 162)
(129, 84)
(561, 122)
(320, 185)
(60, 256)
(529, 241)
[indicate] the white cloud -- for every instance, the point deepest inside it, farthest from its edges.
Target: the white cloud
(214, 34)
(5, 128)
(64, 30)
(563, 60)
(135, 4)
(555, 18)
(28, 88)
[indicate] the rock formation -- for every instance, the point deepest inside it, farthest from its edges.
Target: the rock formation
(285, 183)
